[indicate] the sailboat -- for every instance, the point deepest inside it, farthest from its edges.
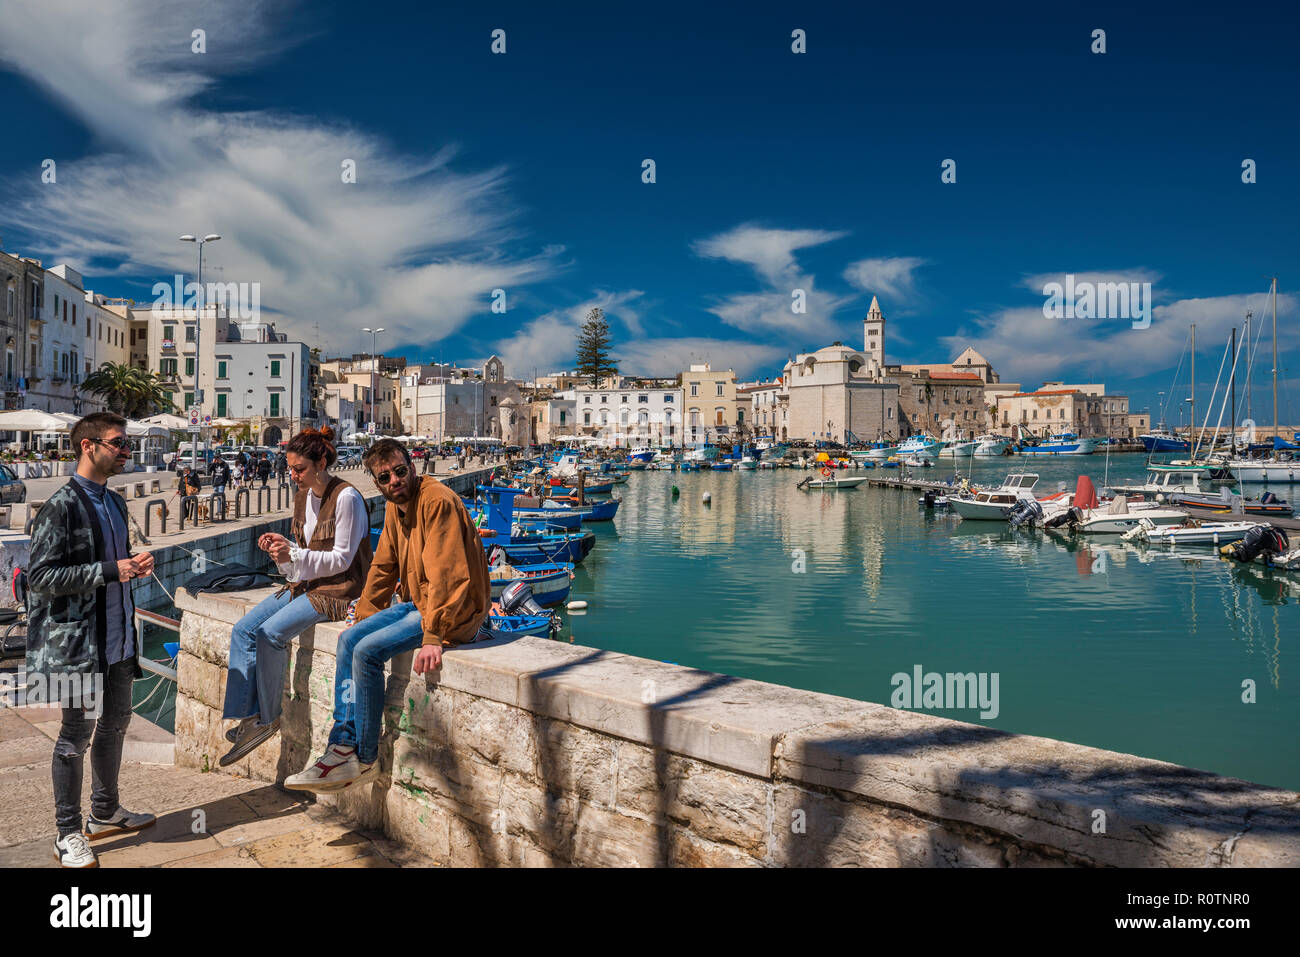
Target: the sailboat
(1283, 465)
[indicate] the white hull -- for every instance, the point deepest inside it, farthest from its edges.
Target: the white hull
(1081, 447)
(990, 448)
(981, 511)
(1210, 533)
(1099, 522)
(746, 464)
(834, 483)
(959, 449)
(1280, 473)
(875, 455)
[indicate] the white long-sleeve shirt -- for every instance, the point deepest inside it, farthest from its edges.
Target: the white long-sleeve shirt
(351, 523)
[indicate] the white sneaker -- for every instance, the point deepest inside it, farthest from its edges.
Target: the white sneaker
(334, 770)
(73, 850)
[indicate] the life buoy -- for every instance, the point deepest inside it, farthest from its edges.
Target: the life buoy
(826, 473)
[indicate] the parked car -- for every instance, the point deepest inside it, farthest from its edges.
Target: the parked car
(12, 488)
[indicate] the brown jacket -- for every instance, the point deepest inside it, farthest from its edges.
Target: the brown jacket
(330, 595)
(436, 554)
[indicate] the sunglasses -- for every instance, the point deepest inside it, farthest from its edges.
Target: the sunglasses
(398, 472)
(117, 443)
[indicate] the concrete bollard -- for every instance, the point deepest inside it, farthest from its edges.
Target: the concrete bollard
(139, 490)
(154, 487)
(4, 516)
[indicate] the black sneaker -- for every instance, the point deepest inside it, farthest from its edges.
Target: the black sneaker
(249, 736)
(123, 822)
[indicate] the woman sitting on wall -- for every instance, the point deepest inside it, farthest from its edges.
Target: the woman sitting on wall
(326, 570)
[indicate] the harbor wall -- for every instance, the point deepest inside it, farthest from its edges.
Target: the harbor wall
(533, 752)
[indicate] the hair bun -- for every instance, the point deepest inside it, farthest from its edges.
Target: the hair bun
(327, 433)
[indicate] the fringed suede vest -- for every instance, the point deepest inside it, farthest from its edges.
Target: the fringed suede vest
(332, 594)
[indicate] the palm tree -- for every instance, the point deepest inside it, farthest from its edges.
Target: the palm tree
(129, 391)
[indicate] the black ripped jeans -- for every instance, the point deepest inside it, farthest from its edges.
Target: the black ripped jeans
(105, 754)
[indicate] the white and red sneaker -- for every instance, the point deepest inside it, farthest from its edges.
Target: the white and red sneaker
(334, 770)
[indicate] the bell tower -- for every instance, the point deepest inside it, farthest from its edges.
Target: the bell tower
(873, 333)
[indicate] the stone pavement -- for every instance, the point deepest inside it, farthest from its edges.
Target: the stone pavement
(204, 820)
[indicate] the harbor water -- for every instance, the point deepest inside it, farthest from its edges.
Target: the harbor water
(1138, 649)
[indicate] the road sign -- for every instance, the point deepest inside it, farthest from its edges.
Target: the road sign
(207, 421)
(194, 417)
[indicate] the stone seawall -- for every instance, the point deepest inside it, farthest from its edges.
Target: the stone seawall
(531, 752)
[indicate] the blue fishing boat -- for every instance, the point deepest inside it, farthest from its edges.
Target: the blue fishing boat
(603, 511)
(497, 515)
(517, 626)
(550, 582)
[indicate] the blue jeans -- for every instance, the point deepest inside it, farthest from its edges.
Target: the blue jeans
(259, 655)
(359, 677)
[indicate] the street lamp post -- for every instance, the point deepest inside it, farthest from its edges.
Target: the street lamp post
(374, 335)
(198, 339)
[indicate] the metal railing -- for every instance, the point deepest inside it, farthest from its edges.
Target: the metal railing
(164, 674)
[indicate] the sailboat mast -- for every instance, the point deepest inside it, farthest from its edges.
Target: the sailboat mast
(1191, 431)
(1233, 382)
(1250, 365)
(1276, 431)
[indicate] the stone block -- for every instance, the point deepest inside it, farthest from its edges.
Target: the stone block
(730, 722)
(494, 733)
(201, 680)
(415, 821)
(717, 805)
(576, 761)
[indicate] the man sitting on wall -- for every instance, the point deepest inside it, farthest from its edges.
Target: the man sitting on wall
(431, 554)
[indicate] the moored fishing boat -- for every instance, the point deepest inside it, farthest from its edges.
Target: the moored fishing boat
(920, 444)
(959, 449)
(1062, 443)
(990, 445)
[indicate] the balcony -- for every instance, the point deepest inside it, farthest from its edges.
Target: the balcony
(169, 345)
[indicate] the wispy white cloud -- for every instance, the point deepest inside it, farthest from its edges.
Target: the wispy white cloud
(549, 341)
(892, 277)
(1025, 346)
(771, 311)
(413, 243)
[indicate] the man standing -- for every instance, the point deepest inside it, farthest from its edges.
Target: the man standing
(80, 635)
(264, 469)
(431, 553)
(220, 473)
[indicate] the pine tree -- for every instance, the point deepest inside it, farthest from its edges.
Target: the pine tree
(593, 360)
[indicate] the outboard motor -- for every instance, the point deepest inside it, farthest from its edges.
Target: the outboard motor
(1268, 498)
(517, 599)
(1070, 517)
(1261, 540)
(1026, 510)
(497, 557)
(929, 499)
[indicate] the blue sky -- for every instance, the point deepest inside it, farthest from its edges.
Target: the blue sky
(774, 171)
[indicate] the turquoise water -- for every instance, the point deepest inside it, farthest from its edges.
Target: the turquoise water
(1139, 650)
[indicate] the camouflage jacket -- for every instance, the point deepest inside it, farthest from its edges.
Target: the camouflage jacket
(66, 597)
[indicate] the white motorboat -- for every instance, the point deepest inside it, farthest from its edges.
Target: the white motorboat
(995, 504)
(1193, 533)
(918, 461)
(834, 482)
(747, 463)
(959, 449)
(1116, 518)
(990, 445)
(1168, 479)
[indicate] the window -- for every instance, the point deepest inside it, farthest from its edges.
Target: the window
(643, 418)
(221, 370)
(586, 418)
(604, 398)
(643, 398)
(720, 417)
(189, 366)
(624, 398)
(167, 367)
(221, 404)
(587, 399)
(275, 404)
(65, 307)
(74, 314)
(1035, 413)
(563, 415)
(668, 397)
(189, 333)
(9, 300)
(695, 388)
(169, 333)
(275, 368)
(719, 388)
(189, 399)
